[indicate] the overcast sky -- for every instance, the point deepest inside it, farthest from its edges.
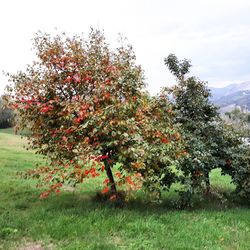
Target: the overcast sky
(214, 34)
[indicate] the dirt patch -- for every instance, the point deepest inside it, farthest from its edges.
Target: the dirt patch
(117, 240)
(35, 246)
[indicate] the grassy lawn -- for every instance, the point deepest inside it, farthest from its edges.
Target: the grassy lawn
(74, 220)
(7, 131)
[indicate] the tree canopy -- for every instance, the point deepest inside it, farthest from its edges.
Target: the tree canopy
(86, 108)
(210, 143)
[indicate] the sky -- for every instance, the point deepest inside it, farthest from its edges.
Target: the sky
(213, 34)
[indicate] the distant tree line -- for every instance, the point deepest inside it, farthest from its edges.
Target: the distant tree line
(240, 120)
(6, 116)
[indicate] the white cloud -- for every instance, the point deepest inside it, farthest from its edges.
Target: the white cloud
(214, 34)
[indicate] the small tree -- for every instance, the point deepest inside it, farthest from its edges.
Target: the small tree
(236, 147)
(85, 107)
(210, 143)
(199, 120)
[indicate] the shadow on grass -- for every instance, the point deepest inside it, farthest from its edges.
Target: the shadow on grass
(79, 202)
(83, 203)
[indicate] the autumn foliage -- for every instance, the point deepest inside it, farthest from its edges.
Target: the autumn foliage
(86, 109)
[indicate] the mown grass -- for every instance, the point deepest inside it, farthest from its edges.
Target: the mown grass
(74, 220)
(7, 130)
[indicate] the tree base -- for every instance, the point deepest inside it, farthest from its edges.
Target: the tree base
(117, 199)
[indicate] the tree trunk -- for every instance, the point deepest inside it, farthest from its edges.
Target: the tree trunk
(111, 178)
(207, 183)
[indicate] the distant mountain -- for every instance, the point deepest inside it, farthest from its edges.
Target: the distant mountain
(232, 95)
(239, 98)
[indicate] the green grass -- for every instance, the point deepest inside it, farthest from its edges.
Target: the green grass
(74, 220)
(10, 131)
(7, 130)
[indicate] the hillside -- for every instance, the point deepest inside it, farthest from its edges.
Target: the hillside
(240, 98)
(232, 95)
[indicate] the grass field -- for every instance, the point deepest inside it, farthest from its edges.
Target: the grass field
(74, 220)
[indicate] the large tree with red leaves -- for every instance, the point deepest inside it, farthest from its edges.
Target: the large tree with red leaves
(86, 110)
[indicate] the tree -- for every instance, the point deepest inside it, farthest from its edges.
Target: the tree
(240, 119)
(237, 165)
(86, 109)
(210, 142)
(199, 120)
(237, 137)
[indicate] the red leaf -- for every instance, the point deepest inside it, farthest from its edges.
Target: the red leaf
(44, 195)
(118, 174)
(106, 181)
(113, 197)
(105, 190)
(87, 79)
